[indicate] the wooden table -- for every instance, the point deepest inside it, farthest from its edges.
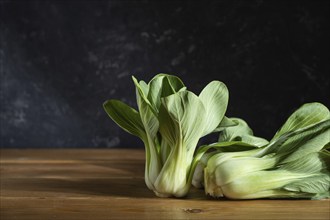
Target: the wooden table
(108, 184)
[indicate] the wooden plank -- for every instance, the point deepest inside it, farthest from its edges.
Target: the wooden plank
(108, 184)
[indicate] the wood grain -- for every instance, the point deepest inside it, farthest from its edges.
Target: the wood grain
(108, 184)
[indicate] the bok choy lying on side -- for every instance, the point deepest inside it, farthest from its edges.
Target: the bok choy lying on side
(170, 121)
(294, 164)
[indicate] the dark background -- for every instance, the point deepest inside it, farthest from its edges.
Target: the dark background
(60, 60)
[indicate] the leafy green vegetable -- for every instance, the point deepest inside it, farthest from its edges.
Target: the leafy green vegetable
(294, 164)
(170, 122)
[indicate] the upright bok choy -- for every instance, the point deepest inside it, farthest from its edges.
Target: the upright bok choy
(170, 122)
(294, 164)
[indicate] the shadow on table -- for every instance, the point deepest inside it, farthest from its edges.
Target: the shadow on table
(126, 187)
(84, 179)
(108, 187)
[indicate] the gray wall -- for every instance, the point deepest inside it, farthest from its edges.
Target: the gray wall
(60, 60)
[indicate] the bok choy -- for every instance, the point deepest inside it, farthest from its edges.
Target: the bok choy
(170, 121)
(294, 164)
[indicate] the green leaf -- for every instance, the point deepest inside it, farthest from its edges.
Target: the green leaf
(231, 133)
(228, 146)
(299, 142)
(125, 116)
(182, 116)
(215, 100)
(163, 85)
(225, 123)
(312, 140)
(171, 85)
(144, 87)
(241, 132)
(307, 115)
(141, 96)
(311, 163)
(315, 164)
(147, 112)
